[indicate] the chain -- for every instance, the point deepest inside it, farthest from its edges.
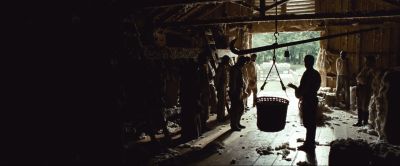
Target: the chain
(276, 29)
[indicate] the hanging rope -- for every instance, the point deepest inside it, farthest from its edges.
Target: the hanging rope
(274, 55)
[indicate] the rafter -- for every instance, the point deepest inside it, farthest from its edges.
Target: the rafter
(246, 5)
(394, 15)
(281, 2)
(210, 11)
(172, 3)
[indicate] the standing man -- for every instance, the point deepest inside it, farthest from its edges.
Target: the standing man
(252, 78)
(205, 91)
(246, 81)
(190, 101)
(307, 93)
(342, 80)
(221, 82)
(236, 94)
(364, 90)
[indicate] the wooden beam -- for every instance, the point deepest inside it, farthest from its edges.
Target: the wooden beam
(190, 13)
(179, 13)
(210, 11)
(300, 3)
(309, 17)
(392, 3)
(246, 5)
(262, 8)
(171, 3)
(276, 4)
(276, 45)
(299, 7)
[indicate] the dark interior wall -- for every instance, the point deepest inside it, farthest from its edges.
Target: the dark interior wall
(30, 114)
(65, 80)
(99, 42)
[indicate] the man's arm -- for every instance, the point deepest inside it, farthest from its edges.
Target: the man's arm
(296, 90)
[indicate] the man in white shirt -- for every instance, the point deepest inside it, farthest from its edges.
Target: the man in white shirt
(252, 78)
(342, 81)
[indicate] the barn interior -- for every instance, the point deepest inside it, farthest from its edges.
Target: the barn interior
(137, 68)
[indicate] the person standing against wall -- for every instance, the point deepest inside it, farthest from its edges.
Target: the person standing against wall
(246, 81)
(364, 90)
(342, 80)
(189, 98)
(205, 90)
(221, 82)
(252, 78)
(237, 93)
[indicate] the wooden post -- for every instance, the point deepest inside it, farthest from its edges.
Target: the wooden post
(262, 8)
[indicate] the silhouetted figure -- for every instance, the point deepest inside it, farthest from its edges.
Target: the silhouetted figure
(391, 94)
(205, 90)
(252, 78)
(307, 93)
(189, 99)
(246, 81)
(364, 90)
(342, 80)
(155, 102)
(236, 94)
(221, 82)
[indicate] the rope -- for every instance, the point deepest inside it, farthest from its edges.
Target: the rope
(274, 55)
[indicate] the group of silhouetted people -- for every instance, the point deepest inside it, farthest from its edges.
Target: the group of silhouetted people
(232, 83)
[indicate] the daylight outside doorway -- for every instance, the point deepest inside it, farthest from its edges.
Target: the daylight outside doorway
(290, 68)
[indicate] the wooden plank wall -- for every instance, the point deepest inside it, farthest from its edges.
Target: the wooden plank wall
(383, 42)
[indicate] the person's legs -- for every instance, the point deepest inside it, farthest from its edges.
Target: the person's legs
(254, 96)
(213, 99)
(221, 106)
(347, 94)
(366, 117)
(360, 102)
(234, 114)
(365, 113)
(359, 117)
(372, 112)
(205, 114)
(339, 87)
(310, 135)
(309, 109)
(240, 113)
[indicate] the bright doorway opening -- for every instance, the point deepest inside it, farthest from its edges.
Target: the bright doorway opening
(290, 68)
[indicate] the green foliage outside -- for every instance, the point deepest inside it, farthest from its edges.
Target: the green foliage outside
(297, 52)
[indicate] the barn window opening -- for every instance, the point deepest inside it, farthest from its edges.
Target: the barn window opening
(290, 68)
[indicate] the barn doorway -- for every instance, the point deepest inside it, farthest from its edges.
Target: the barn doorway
(290, 68)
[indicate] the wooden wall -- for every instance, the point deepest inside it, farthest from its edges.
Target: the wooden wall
(383, 42)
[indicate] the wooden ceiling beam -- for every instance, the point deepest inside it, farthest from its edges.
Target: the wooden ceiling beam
(319, 16)
(210, 11)
(172, 3)
(190, 13)
(246, 5)
(276, 4)
(300, 7)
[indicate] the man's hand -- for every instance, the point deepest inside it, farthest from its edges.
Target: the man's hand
(292, 86)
